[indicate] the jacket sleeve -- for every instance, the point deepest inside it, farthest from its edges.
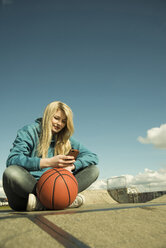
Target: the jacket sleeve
(22, 153)
(85, 157)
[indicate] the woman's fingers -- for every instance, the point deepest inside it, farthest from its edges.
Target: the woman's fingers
(64, 157)
(66, 162)
(62, 161)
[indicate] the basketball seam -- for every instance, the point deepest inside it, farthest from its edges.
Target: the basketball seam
(74, 179)
(59, 172)
(46, 180)
(54, 191)
(67, 189)
(46, 172)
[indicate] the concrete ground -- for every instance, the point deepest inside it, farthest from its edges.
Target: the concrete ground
(101, 222)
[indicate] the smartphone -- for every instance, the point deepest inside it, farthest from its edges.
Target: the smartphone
(74, 153)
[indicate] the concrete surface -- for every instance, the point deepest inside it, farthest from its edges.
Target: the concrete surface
(101, 222)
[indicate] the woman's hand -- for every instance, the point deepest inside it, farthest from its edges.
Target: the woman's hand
(70, 168)
(58, 161)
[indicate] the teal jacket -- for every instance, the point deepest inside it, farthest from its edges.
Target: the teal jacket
(24, 151)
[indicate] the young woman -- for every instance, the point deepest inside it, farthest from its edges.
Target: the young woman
(41, 146)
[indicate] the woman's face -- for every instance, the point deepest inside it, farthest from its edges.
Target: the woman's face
(58, 121)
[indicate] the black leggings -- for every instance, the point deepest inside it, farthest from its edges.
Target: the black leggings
(18, 183)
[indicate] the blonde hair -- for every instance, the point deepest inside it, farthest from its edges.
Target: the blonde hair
(62, 138)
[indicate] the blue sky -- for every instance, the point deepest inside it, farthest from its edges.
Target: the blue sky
(105, 59)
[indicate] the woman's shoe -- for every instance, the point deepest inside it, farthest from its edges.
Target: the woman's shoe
(79, 201)
(34, 204)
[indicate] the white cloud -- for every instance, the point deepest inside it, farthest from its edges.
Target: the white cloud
(155, 136)
(146, 181)
(2, 193)
(99, 184)
(149, 180)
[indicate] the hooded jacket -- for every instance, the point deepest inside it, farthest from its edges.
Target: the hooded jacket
(24, 151)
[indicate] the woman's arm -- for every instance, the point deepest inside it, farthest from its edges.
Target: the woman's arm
(23, 152)
(85, 157)
(59, 161)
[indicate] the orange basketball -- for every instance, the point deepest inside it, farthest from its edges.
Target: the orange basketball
(57, 188)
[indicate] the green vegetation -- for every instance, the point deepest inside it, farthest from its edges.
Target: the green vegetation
(5, 208)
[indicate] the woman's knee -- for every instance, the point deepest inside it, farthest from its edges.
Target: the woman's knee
(94, 171)
(86, 177)
(18, 180)
(11, 173)
(89, 173)
(13, 184)
(14, 175)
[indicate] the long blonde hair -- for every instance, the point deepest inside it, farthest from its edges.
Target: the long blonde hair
(62, 138)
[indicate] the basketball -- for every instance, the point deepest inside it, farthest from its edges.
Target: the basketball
(57, 188)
